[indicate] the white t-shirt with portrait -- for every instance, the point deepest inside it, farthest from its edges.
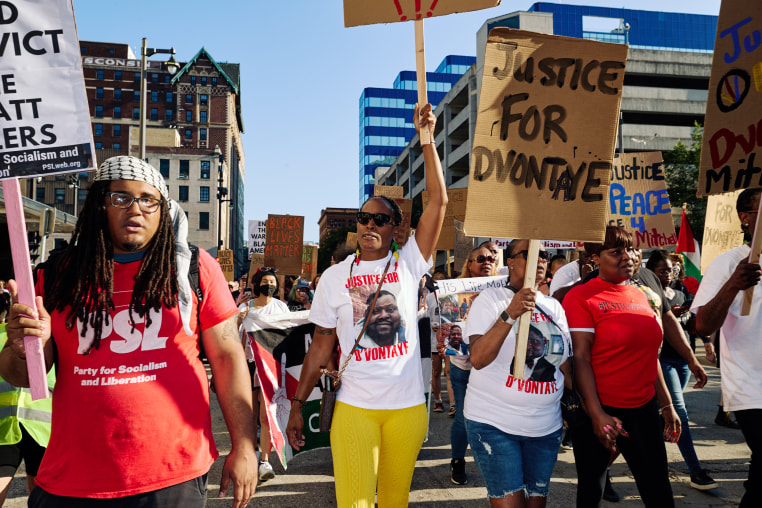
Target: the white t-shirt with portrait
(379, 376)
(525, 407)
(740, 354)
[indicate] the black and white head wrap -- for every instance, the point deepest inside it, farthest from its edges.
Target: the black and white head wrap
(131, 168)
(124, 167)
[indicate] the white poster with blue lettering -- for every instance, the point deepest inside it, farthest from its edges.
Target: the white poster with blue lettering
(639, 201)
(43, 104)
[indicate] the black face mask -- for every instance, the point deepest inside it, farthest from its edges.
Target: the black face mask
(267, 290)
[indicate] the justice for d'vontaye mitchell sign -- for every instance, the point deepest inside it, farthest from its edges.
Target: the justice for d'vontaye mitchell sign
(43, 106)
(545, 136)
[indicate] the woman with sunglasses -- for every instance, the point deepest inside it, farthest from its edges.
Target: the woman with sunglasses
(380, 419)
(616, 338)
(480, 263)
(514, 425)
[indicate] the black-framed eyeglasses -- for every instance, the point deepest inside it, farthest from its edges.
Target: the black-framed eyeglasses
(664, 272)
(124, 201)
(482, 258)
(380, 219)
(543, 254)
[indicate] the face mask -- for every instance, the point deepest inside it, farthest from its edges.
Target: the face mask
(267, 289)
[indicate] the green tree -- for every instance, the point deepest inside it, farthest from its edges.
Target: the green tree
(681, 170)
(333, 246)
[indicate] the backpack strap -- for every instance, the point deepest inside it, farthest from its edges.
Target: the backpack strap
(193, 273)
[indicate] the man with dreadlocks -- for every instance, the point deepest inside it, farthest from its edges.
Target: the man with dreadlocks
(132, 424)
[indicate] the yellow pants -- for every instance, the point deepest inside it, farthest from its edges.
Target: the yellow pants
(375, 447)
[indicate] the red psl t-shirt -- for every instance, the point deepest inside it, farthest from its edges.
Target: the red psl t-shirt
(627, 339)
(133, 415)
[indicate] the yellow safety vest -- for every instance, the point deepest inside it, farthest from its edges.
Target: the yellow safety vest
(17, 408)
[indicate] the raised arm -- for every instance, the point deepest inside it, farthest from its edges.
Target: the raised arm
(430, 223)
(233, 385)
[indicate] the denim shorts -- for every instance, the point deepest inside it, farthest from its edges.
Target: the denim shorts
(510, 463)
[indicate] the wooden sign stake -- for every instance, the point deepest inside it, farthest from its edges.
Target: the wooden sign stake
(756, 247)
(35, 358)
(420, 72)
(522, 333)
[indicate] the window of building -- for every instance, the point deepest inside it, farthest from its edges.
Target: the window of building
(136, 95)
(154, 113)
(205, 170)
(188, 99)
(117, 146)
(117, 111)
(203, 99)
(169, 97)
(203, 220)
(81, 195)
(193, 80)
(98, 144)
(99, 74)
(83, 49)
(111, 52)
(184, 168)
(136, 113)
(99, 93)
(188, 115)
(202, 116)
(214, 81)
(117, 94)
(183, 193)
(164, 167)
(60, 195)
(188, 134)
(117, 130)
(98, 129)
(136, 77)
(203, 81)
(117, 75)
(40, 195)
(154, 96)
(203, 195)
(98, 111)
(167, 78)
(154, 77)
(202, 134)
(169, 114)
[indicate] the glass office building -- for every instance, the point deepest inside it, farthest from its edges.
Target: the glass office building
(386, 116)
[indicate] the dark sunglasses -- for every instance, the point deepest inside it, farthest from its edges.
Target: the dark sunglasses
(482, 258)
(543, 254)
(380, 219)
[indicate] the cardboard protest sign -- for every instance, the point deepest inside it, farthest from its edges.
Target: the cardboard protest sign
(464, 244)
(362, 12)
(309, 261)
(283, 249)
(257, 261)
(403, 232)
(389, 191)
(456, 210)
(541, 163)
(43, 104)
(639, 202)
(257, 236)
(722, 228)
(225, 258)
(351, 239)
(732, 139)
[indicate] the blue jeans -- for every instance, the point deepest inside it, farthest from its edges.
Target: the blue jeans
(676, 375)
(458, 436)
(510, 463)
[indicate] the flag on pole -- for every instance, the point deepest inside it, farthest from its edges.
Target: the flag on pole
(689, 248)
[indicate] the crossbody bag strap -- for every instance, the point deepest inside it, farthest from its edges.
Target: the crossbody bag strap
(337, 377)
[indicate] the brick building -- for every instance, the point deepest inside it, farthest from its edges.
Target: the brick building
(332, 219)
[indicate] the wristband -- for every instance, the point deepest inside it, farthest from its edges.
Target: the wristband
(300, 401)
(507, 319)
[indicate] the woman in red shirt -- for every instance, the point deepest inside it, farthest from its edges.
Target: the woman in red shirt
(616, 338)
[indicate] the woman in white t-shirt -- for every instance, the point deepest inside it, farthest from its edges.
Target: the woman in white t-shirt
(514, 425)
(264, 285)
(380, 418)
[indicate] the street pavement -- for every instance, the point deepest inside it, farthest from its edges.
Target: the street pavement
(309, 480)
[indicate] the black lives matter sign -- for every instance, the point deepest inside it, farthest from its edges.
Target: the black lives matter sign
(43, 105)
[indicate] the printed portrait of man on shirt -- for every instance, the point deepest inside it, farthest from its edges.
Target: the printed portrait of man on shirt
(385, 324)
(544, 353)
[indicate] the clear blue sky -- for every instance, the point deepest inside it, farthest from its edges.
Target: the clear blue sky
(302, 76)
